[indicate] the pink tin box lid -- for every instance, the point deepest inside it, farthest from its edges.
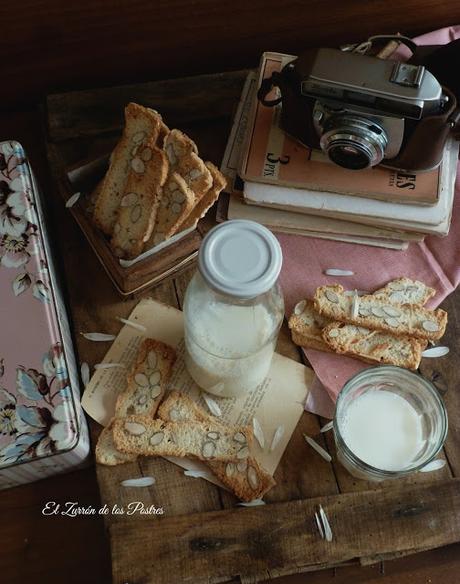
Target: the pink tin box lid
(39, 415)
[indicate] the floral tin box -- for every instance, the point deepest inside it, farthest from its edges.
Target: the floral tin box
(42, 427)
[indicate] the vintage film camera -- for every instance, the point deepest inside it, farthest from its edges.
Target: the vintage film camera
(362, 110)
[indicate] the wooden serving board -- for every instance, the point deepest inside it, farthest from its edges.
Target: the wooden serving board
(203, 537)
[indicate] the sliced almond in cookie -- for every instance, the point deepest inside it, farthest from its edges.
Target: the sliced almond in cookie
(306, 326)
(177, 145)
(195, 173)
(374, 346)
(177, 201)
(208, 199)
(147, 379)
(406, 291)
(107, 453)
(139, 204)
(141, 125)
(141, 435)
(333, 303)
(245, 477)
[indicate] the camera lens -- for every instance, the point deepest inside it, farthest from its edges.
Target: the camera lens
(348, 156)
(353, 142)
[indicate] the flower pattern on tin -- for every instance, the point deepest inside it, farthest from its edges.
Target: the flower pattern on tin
(36, 421)
(19, 225)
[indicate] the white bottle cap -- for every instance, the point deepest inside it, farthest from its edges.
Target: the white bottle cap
(240, 258)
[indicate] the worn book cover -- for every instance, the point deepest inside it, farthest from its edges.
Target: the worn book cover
(429, 220)
(321, 227)
(270, 156)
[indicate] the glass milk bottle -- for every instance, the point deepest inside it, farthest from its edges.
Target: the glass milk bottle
(233, 308)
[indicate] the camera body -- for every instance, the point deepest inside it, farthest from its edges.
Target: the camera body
(362, 111)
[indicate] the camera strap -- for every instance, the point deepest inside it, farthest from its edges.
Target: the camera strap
(382, 39)
(266, 86)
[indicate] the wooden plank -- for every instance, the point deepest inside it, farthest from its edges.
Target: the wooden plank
(99, 111)
(444, 373)
(253, 543)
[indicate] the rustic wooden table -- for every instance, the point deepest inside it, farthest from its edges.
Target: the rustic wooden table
(75, 550)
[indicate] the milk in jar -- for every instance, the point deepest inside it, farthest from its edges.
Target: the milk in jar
(383, 430)
(233, 308)
(388, 423)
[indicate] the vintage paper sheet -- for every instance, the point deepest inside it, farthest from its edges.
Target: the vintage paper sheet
(279, 400)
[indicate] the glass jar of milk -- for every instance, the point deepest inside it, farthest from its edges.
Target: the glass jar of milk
(388, 423)
(233, 308)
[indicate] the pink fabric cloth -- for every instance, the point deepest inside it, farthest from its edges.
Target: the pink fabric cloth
(436, 262)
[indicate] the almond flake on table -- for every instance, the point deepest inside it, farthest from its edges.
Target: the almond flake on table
(213, 406)
(327, 427)
(277, 437)
(98, 337)
(319, 525)
(197, 474)
(134, 325)
(258, 432)
(434, 465)
(72, 200)
(433, 352)
(319, 449)
(84, 371)
(326, 524)
(139, 482)
(338, 272)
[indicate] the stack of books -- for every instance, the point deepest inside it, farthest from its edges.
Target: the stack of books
(275, 180)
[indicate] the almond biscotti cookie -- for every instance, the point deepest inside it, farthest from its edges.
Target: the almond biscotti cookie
(178, 407)
(374, 346)
(106, 452)
(208, 199)
(183, 158)
(246, 478)
(176, 202)
(143, 393)
(306, 326)
(378, 313)
(406, 291)
(178, 145)
(141, 124)
(138, 207)
(146, 382)
(196, 174)
(201, 440)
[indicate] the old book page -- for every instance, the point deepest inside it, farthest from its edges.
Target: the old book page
(278, 401)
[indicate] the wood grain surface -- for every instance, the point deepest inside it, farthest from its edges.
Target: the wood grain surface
(34, 548)
(191, 505)
(256, 543)
(53, 45)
